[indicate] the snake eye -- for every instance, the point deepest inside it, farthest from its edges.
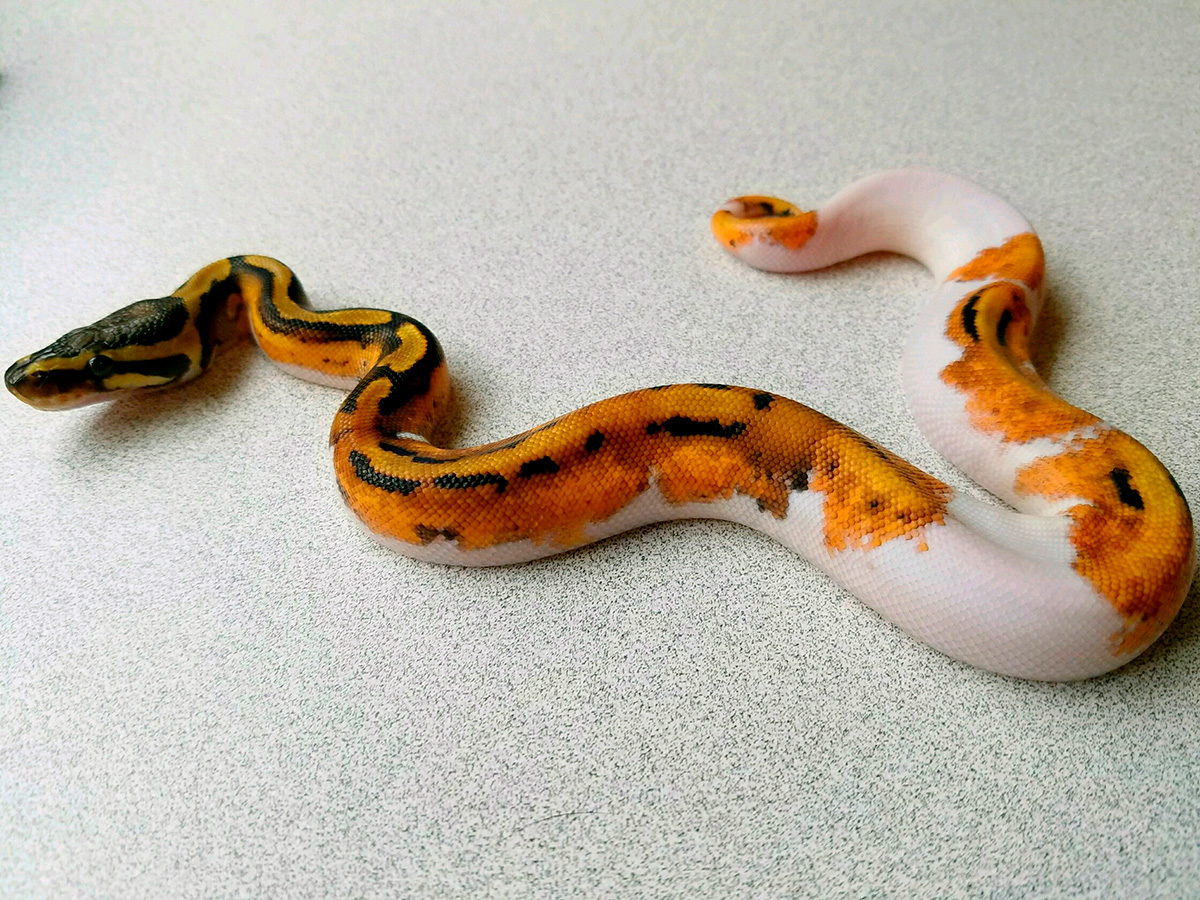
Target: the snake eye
(100, 366)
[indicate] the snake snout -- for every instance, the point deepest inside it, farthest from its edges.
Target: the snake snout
(16, 376)
(44, 388)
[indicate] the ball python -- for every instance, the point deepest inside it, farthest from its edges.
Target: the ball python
(1085, 568)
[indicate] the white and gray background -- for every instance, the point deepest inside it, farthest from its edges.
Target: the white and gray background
(212, 685)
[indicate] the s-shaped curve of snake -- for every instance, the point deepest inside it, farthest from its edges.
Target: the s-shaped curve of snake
(1086, 573)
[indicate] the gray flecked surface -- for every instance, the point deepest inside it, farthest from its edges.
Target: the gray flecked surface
(211, 685)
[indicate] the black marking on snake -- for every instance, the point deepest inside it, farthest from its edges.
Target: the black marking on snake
(712, 386)
(368, 474)
(1002, 327)
(412, 382)
(382, 333)
(1126, 492)
(798, 480)
(212, 303)
(871, 445)
(427, 534)
(1178, 489)
(13, 374)
(168, 367)
(388, 447)
(594, 442)
(762, 400)
(684, 426)
(969, 314)
(296, 293)
(63, 380)
(461, 482)
(143, 323)
(543, 466)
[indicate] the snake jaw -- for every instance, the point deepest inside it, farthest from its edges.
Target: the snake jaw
(50, 388)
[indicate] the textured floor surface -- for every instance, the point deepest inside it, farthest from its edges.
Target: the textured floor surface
(212, 685)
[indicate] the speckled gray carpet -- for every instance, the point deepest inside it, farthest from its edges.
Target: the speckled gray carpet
(212, 685)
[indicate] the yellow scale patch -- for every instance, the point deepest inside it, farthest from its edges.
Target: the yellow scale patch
(1135, 557)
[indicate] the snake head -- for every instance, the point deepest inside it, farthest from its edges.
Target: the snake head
(148, 344)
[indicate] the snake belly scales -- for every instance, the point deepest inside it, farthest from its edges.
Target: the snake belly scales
(1087, 568)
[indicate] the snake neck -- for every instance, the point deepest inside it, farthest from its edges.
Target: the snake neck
(393, 365)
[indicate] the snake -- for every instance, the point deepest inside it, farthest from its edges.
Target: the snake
(1083, 564)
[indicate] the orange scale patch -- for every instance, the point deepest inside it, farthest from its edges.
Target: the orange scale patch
(550, 487)
(1020, 258)
(1132, 531)
(1004, 395)
(873, 496)
(704, 471)
(334, 359)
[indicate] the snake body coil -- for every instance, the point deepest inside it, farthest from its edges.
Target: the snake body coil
(1084, 577)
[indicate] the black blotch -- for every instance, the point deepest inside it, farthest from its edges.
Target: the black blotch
(212, 302)
(762, 400)
(594, 441)
(296, 293)
(62, 380)
(396, 448)
(413, 382)
(969, 314)
(799, 480)
(382, 334)
(432, 461)
(684, 426)
(1002, 327)
(462, 482)
(389, 447)
(427, 534)
(1178, 489)
(543, 466)
(168, 367)
(712, 386)
(143, 323)
(368, 474)
(875, 448)
(1126, 492)
(874, 504)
